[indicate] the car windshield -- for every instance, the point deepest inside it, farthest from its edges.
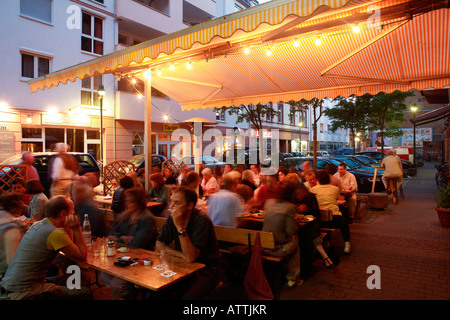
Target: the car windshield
(338, 161)
(16, 159)
(137, 159)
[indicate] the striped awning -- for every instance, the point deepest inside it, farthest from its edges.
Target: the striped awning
(400, 45)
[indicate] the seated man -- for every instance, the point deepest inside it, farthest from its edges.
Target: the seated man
(224, 206)
(310, 179)
(349, 188)
(393, 168)
(193, 236)
(59, 231)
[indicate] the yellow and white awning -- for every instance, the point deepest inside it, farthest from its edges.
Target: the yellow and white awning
(289, 50)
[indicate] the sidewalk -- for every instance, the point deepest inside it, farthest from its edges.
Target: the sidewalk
(407, 243)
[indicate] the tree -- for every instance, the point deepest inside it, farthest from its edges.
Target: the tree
(254, 114)
(385, 113)
(316, 108)
(349, 113)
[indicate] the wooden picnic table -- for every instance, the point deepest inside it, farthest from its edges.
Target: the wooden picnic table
(141, 275)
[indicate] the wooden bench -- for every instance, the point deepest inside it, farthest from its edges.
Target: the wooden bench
(237, 236)
(247, 238)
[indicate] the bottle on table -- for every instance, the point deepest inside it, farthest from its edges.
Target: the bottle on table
(87, 230)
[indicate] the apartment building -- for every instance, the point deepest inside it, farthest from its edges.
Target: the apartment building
(50, 35)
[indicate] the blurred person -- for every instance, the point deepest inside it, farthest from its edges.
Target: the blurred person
(28, 160)
(282, 172)
(256, 174)
(59, 231)
(12, 203)
(90, 178)
(194, 240)
(306, 203)
(11, 233)
(292, 178)
(64, 169)
(209, 183)
(159, 192)
(168, 177)
(218, 174)
(117, 205)
(225, 205)
(141, 176)
(306, 166)
(38, 201)
(17, 185)
(327, 196)
(136, 183)
(349, 188)
(136, 228)
(248, 196)
(248, 179)
(279, 219)
(310, 179)
(81, 195)
(393, 168)
(192, 181)
(269, 190)
(183, 172)
(227, 168)
(332, 170)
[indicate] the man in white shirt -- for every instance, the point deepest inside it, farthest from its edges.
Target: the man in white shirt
(349, 188)
(64, 170)
(225, 206)
(209, 183)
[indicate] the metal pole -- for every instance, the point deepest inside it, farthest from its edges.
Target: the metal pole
(414, 137)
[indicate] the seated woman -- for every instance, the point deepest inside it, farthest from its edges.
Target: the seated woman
(209, 183)
(327, 196)
(159, 192)
(168, 177)
(136, 228)
(280, 220)
(117, 205)
(36, 209)
(307, 204)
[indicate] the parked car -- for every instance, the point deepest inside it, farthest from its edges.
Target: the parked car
(343, 151)
(364, 178)
(320, 153)
(42, 161)
(139, 161)
(210, 162)
(408, 167)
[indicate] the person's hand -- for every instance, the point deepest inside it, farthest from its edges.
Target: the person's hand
(72, 222)
(178, 219)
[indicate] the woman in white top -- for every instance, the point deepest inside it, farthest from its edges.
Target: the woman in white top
(209, 183)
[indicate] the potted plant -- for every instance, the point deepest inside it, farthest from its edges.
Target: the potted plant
(443, 206)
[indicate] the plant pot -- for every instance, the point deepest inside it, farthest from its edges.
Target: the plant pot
(444, 216)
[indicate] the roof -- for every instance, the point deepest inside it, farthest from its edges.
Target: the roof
(401, 45)
(432, 116)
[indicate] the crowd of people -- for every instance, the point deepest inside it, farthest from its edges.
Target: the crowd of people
(193, 203)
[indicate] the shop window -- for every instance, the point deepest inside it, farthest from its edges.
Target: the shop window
(75, 139)
(53, 136)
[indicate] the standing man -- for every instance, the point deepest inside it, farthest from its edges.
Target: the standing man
(393, 168)
(59, 231)
(28, 160)
(349, 188)
(192, 233)
(63, 172)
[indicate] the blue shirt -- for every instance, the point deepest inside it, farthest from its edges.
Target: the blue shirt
(223, 208)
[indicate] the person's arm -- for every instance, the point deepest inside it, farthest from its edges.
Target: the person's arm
(12, 238)
(190, 252)
(78, 249)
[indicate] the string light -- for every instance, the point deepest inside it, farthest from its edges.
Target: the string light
(356, 29)
(133, 81)
(158, 72)
(246, 50)
(296, 43)
(172, 67)
(189, 65)
(165, 117)
(29, 120)
(318, 41)
(269, 52)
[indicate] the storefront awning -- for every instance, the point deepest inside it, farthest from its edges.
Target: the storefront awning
(432, 116)
(271, 53)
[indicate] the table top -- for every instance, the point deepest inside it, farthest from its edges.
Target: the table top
(145, 276)
(108, 200)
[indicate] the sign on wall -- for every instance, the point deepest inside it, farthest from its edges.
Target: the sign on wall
(422, 135)
(6, 145)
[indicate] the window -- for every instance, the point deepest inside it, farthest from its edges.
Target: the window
(321, 127)
(34, 66)
(280, 112)
(92, 34)
(269, 117)
(37, 9)
(89, 95)
(220, 116)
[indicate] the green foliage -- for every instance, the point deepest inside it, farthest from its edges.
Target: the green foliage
(443, 197)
